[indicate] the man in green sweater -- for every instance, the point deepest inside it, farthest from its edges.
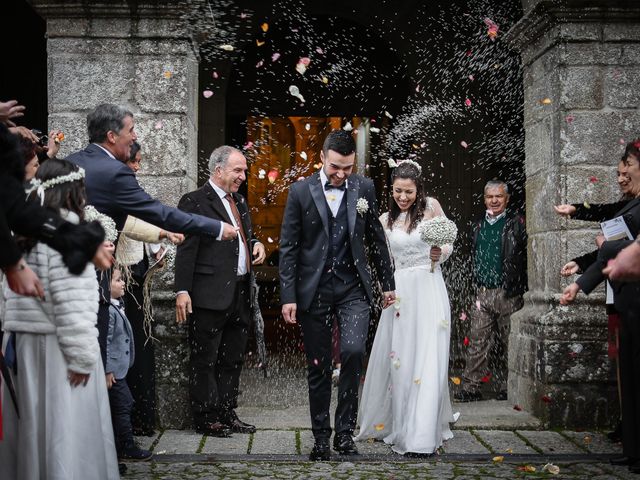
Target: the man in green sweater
(499, 252)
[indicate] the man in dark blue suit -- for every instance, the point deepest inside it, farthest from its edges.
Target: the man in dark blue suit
(112, 188)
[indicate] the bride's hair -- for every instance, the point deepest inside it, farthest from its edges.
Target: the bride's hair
(408, 170)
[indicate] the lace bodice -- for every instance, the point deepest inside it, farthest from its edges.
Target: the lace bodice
(408, 249)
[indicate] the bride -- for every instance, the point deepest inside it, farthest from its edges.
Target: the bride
(405, 400)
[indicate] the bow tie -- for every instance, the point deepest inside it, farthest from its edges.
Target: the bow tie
(328, 186)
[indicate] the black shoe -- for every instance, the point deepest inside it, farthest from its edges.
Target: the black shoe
(501, 395)
(233, 423)
(418, 455)
(343, 444)
(320, 451)
(468, 396)
(616, 435)
(122, 468)
(213, 429)
(143, 432)
(622, 461)
(134, 452)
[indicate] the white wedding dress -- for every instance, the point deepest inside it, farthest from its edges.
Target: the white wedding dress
(405, 400)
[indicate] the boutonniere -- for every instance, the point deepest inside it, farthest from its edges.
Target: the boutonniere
(362, 206)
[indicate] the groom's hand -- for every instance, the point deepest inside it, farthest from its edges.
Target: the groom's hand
(289, 312)
(389, 299)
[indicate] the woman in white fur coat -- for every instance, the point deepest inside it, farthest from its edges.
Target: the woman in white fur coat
(64, 428)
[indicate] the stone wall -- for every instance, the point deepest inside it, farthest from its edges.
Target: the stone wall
(579, 60)
(140, 55)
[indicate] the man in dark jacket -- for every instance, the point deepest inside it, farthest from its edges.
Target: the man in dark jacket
(112, 188)
(499, 249)
(212, 284)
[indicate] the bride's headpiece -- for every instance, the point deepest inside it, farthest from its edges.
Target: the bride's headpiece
(393, 164)
(39, 186)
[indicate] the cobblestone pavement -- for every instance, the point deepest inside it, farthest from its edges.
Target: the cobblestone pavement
(471, 454)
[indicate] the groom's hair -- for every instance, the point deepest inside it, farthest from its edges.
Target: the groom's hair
(339, 141)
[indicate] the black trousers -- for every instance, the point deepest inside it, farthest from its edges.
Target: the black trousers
(629, 360)
(103, 330)
(218, 339)
(348, 304)
(142, 374)
(121, 402)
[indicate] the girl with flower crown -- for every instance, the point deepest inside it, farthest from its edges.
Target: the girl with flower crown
(62, 426)
(405, 400)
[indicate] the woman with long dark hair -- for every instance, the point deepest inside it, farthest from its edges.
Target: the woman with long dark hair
(405, 401)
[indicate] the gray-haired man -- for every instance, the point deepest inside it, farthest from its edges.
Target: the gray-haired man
(212, 284)
(499, 249)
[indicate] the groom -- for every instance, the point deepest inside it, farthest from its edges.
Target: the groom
(329, 219)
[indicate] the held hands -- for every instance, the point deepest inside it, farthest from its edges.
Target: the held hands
(389, 298)
(570, 268)
(565, 210)
(76, 379)
(229, 232)
(569, 294)
(600, 240)
(289, 313)
(183, 307)
(259, 254)
(111, 379)
(435, 254)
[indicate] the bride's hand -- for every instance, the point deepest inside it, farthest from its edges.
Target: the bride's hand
(435, 254)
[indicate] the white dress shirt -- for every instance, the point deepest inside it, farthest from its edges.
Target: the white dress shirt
(242, 252)
(334, 195)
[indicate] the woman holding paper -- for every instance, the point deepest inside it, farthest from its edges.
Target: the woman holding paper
(627, 303)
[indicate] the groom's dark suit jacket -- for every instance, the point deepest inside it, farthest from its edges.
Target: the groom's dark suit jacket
(205, 267)
(304, 239)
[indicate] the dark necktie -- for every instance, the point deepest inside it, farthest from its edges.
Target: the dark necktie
(236, 216)
(328, 186)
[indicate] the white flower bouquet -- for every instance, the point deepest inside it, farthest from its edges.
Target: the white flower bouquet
(107, 223)
(438, 231)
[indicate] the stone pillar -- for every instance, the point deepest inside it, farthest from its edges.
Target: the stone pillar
(581, 64)
(139, 55)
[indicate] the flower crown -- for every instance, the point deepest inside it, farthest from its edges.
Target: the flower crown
(393, 164)
(39, 186)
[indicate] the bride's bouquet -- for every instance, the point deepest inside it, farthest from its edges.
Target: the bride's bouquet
(438, 231)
